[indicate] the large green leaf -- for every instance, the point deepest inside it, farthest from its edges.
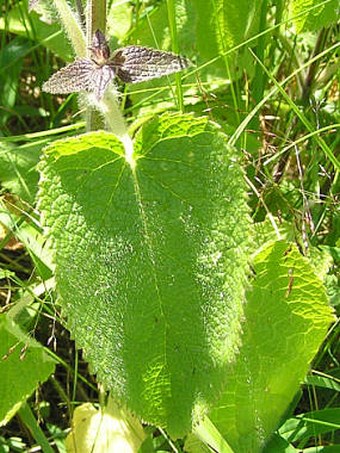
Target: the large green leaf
(287, 316)
(151, 260)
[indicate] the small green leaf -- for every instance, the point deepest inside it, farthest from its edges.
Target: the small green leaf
(151, 261)
(287, 316)
(23, 361)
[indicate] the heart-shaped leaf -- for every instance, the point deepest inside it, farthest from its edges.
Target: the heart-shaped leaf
(151, 261)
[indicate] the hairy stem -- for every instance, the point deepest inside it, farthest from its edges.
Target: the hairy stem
(107, 114)
(104, 113)
(72, 27)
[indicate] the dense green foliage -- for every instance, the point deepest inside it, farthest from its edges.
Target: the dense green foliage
(183, 231)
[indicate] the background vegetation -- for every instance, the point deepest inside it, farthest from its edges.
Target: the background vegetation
(263, 91)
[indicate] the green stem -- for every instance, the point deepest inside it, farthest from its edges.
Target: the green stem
(225, 57)
(314, 67)
(95, 18)
(175, 47)
(259, 78)
(258, 84)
